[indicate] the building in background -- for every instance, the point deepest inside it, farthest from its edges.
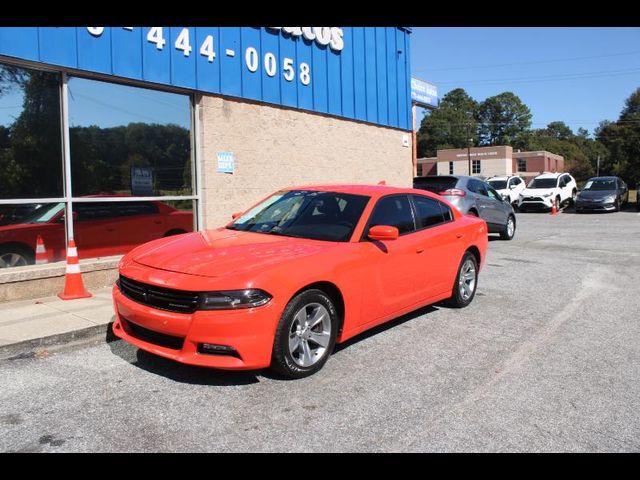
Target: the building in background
(490, 161)
(120, 135)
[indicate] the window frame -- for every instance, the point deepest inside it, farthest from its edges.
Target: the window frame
(474, 164)
(194, 130)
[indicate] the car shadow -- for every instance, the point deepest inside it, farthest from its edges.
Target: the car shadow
(175, 371)
(628, 208)
(386, 326)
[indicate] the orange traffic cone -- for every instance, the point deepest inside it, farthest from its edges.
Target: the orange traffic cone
(554, 210)
(41, 252)
(73, 286)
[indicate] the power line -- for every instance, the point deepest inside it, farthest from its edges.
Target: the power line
(564, 76)
(526, 63)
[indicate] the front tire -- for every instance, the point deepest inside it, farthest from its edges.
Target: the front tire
(466, 283)
(509, 229)
(16, 256)
(306, 335)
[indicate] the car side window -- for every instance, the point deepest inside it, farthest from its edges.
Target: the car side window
(429, 211)
(395, 211)
(94, 211)
(478, 187)
(127, 209)
(493, 194)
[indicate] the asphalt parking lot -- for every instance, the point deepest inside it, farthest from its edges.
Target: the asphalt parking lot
(546, 358)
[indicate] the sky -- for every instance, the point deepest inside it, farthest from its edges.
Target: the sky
(572, 74)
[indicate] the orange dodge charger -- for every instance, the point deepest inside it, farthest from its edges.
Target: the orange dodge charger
(304, 269)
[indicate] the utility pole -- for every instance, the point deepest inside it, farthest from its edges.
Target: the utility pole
(598, 167)
(469, 148)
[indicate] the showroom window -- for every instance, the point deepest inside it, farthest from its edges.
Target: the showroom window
(130, 157)
(475, 166)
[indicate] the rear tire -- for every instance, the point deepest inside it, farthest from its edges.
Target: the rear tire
(305, 337)
(466, 282)
(509, 229)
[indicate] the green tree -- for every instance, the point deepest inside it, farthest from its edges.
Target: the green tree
(450, 125)
(502, 119)
(622, 140)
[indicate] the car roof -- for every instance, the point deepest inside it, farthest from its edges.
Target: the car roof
(370, 190)
(502, 177)
(551, 174)
(606, 177)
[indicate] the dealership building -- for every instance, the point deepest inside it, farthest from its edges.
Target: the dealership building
(119, 135)
(490, 161)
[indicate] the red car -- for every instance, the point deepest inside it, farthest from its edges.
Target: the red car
(100, 229)
(303, 269)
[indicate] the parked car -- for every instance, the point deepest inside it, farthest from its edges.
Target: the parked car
(546, 189)
(302, 270)
(606, 194)
(508, 186)
(475, 197)
(100, 229)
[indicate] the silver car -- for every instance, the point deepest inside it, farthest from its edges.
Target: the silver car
(473, 196)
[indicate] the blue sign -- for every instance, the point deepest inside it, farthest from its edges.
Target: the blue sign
(226, 162)
(359, 73)
(424, 93)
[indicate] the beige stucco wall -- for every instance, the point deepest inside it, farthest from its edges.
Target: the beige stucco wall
(277, 147)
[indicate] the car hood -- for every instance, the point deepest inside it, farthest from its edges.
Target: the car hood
(597, 194)
(537, 192)
(219, 252)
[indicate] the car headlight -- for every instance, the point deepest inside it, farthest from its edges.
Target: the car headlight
(609, 199)
(232, 299)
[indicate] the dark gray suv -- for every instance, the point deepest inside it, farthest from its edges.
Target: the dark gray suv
(473, 196)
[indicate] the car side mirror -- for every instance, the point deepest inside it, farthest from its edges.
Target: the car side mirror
(512, 187)
(505, 198)
(383, 232)
(235, 215)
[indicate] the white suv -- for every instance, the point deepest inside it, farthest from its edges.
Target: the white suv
(547, 189)
(508, 186)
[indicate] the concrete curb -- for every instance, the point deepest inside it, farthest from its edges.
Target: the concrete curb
(31, 348)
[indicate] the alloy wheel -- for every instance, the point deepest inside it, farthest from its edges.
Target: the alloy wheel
(12, 260)
(309, 335)
(467, 279)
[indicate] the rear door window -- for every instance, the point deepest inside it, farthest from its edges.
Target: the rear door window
(428, 211)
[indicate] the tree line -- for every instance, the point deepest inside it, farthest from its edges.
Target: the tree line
(504, 119)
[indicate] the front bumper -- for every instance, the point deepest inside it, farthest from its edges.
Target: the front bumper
(539, 205)
(582, 206)
(177, 336)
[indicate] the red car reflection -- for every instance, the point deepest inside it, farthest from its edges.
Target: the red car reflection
(100, 229)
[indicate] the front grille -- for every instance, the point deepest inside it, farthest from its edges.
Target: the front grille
(157, 338)
(532, 199)
(159, 297)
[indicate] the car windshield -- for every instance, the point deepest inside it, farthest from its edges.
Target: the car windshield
(329, 216)
(600, 184)
(44, 213)
(543, 183)
(498, 184)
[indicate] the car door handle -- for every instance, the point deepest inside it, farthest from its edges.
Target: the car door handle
(111, 229)
(419, 250)
(459, 235)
